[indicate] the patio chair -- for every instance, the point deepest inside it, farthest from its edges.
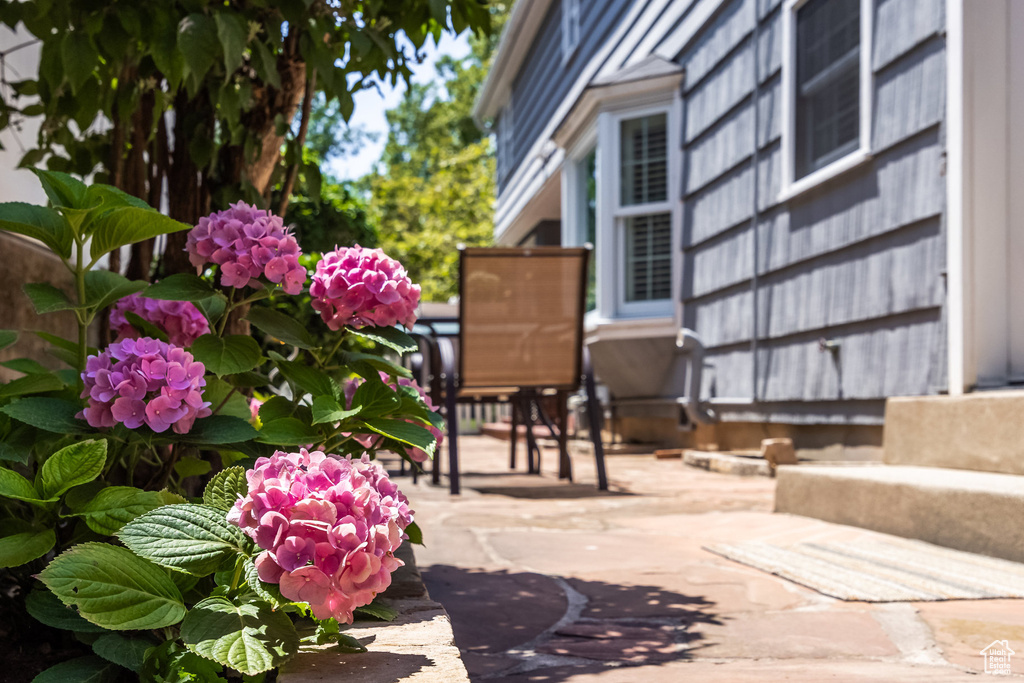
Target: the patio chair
(520, 338)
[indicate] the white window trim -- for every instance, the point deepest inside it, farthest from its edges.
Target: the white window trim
(570, 28)
(791, 187)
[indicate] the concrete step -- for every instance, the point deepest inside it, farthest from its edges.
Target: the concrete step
(978, 512)
(981, 431)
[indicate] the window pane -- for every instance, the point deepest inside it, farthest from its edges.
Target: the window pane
(587, 212)
(828, 82)
(649, 257)
(644, 160)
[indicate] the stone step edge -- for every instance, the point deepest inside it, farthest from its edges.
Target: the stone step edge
(934, 508)
(728, 463)
(418, 645)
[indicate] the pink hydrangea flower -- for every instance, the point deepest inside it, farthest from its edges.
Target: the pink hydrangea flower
(328, 527)
(181, 320)
(363, 287)
(371, 440)
(144, 382)
(247, 243)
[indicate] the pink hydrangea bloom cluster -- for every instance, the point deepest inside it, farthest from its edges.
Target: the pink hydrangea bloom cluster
(144, 381)
(363, 287)
(328, 527)
(246, 243)
(370, 440)
(181, 320)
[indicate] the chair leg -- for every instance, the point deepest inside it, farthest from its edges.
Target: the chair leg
(594, 416)
(564, 463)
(513, 435)
(532, 450)
(452, 413)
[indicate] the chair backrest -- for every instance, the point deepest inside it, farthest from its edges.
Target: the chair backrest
(521, 316)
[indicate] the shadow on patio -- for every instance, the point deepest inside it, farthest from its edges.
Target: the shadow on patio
(529, 626)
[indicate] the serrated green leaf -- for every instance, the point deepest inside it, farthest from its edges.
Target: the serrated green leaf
(225, 488)
(37, 222)
(46, 608)
(404, 432)
(391, 337)
(89, 669)
(276, 407)
(127, 225)
(232, 33)
(414, 533)
(197, 41)
(113, 588)
(144, 327)
(250, 638)
(306, 378)
(265, 591)
(25, 365)
(7, 338)
(127, 652)
(266, 65)
(181, 287)
(225, 400)
(326, 409)
(367, 365)
(113, 507)
(71, 466)
(378, 611)
(227, 356)
(285, 328)
(247, 380)
(46, 298)
(288, 431)
(219, 429)
(373, 398)
(13, 485)
(21, 548)
(193, 539)
(48, 414)
(78, 57)
(60, 188)
(103, 288)
(31, 384)
(192, 467)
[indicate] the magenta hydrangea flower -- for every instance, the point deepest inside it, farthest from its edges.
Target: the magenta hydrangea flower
(181, 320)
(362, 287)
(371, 440)
(144, 382)
(328, 527)
(247, 243)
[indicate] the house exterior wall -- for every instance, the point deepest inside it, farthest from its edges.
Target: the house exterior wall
(543, 81)
(858, 260)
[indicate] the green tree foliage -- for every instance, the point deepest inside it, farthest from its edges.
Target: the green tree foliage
(206, 88)
(434, 186)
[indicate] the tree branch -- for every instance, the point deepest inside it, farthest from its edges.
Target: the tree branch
(293, 172)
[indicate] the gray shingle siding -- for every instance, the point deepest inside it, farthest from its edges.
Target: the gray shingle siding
(543, 81)
(858, 260)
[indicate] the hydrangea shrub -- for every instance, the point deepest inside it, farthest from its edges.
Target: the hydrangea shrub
(154, 482)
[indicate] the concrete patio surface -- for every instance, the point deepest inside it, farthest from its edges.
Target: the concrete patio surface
(548, 581)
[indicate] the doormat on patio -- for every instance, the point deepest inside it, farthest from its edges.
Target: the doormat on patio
(895, 570)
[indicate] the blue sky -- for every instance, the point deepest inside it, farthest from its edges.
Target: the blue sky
(371, 105)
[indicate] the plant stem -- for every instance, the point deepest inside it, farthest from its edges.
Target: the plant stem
(224, 402)
(83, 324)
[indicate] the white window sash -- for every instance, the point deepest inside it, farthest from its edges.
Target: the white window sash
(791, 186)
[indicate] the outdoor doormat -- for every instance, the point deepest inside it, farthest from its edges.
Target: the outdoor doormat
(896, 570)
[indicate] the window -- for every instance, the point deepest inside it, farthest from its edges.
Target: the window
(827, 82)
(621, 187)
(644, 216)
(506, 141)
(570, 28)
(826, 74)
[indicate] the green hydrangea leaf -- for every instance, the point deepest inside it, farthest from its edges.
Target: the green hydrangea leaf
(46, 608)
(71, 466)
(193, 539)
(113, 588)
(249, 637)
(111, 508)
(225, 488)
